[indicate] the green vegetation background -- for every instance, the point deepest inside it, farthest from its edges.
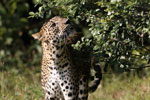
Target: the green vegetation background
(115, 31)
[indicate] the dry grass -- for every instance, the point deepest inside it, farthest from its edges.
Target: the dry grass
(116, 88)
(25, 85)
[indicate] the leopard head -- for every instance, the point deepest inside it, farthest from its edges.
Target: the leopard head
(56, 30)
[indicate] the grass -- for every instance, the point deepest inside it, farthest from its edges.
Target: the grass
(24, 84)
(117, 88)
(21, 85)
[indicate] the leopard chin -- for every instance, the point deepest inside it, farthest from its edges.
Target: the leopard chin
(69, 31)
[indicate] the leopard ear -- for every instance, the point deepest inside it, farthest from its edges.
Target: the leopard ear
(37, 36)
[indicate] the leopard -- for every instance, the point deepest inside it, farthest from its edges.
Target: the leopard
(60, 78)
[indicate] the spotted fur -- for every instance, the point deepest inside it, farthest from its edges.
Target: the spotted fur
(61, 80)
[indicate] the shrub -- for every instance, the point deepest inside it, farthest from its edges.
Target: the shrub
(118, 31)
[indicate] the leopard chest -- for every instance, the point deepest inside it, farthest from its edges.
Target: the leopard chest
(55, 64)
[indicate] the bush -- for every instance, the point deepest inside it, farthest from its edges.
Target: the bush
(17, 48)
(118, 31)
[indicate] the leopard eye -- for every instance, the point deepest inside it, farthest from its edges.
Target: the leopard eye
(53, 25)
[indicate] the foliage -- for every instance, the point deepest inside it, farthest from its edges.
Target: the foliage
(15, 34)
(115, 31)
(118, 31)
